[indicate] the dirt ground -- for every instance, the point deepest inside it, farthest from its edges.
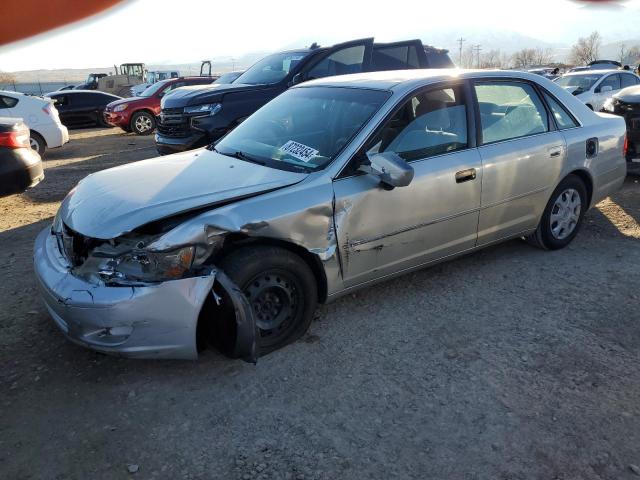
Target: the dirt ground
(511, 363)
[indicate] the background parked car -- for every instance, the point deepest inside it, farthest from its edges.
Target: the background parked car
(194, 118)
(40, 115)
(20, 165)
(137, 114)
(595, 87)
(626, 103)
(81, 108)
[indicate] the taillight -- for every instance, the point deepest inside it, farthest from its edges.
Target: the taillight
(19, 139)
(625, 149)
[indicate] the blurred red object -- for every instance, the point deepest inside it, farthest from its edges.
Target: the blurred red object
(25, 18)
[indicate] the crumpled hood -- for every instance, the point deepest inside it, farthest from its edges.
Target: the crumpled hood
(112, 202)
(629, 94)
(184, 96)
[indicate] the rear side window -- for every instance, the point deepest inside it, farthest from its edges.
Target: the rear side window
(628, 80)
(510, 110)
(431, 123)
(563, 118)
(8, 102)
(344, 61)
(395, 58)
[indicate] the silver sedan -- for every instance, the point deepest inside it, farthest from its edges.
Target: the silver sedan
(334, 185)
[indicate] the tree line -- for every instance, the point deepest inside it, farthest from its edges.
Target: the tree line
(585, 50)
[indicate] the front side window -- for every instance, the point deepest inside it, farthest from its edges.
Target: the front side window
(509, 110)
(304, 128)
(563, 118)
(271, 69)
(7, 102)
(395, 57)
(612, 81)
(341, 62)
(431, 123)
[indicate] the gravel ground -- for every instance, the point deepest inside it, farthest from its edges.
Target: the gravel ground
(511, 363)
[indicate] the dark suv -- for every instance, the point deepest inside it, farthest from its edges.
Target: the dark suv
(192, 118)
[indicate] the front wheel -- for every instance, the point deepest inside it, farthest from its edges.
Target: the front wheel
(281, 289)
(562, 216)
(142, 123)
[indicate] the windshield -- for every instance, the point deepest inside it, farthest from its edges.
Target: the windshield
(304, 128)
(229, 77)
(578, 82)
(153, 89)
(271, 69)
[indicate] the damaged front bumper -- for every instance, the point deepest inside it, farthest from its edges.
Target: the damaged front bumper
(150, 321)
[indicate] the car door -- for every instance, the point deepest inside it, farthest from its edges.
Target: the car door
(604, 90)
(341, 59)
(64, 105)
(522, 157)
(382, 231)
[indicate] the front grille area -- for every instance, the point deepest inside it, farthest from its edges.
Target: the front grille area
(172, 122)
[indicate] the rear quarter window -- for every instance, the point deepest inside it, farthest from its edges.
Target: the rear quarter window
(8, 102)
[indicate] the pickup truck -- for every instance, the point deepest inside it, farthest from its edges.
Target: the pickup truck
(195, 117)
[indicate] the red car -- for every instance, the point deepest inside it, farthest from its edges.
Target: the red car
(138, 114)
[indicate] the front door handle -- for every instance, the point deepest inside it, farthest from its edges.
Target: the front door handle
(555, 152)
(466, 175)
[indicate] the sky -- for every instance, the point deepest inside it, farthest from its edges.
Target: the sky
(173, 32)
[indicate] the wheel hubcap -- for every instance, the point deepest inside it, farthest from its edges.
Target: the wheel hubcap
(143, 123)
(273, 298)
(565, 213)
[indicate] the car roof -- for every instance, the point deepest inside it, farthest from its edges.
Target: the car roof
(593, 72)
(409, 79)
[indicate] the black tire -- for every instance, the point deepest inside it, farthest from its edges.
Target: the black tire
(142, 123)
(282, 291)
(38, 143)
(127, 129)
(552, 237)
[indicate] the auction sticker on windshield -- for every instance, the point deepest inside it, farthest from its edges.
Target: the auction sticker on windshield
(299, 150)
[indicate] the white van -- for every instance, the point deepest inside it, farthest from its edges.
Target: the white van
(40, 116)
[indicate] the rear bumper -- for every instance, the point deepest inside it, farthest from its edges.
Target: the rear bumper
(20, 168)
(154, 321)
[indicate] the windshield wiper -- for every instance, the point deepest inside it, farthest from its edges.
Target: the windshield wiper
(240, 156)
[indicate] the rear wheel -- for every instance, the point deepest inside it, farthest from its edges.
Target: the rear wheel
(142, 123)
(281, 289)
(37, 143)
(562, 216)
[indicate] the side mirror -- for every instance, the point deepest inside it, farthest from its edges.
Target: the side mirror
(606, 88)
(297, 78)
(392, 170)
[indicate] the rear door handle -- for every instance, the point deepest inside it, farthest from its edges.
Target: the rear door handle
(466, 175)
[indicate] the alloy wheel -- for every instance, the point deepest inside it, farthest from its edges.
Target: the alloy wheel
(143, 124)
(565, 213)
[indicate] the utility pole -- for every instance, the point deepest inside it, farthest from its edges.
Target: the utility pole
(477, 49)
(460, 42)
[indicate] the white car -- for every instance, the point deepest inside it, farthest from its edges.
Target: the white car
(594, 87)
(40, 116)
